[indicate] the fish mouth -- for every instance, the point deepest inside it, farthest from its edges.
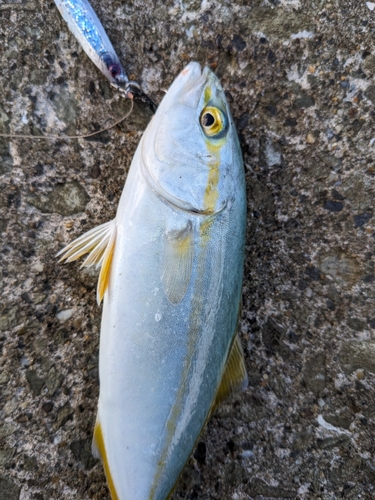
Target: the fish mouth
(192, 84)
(191, 70)
(188, 87)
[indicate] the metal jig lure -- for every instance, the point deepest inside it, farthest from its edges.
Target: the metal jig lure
(88, 30)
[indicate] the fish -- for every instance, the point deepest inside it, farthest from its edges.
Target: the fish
(171, 266)
(88, 30)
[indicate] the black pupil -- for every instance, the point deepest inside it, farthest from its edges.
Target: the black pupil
(115, 70)
(208, 120)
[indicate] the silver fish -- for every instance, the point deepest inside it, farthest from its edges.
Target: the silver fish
(171, 273)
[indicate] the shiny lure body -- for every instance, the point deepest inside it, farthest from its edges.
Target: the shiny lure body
(171, 276)
(86, 27)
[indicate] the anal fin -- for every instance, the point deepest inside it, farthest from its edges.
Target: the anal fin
(234, 376)
(98, 451)
(99, 244)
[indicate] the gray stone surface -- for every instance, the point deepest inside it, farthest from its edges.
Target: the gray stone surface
(299, 75)
(8, 489)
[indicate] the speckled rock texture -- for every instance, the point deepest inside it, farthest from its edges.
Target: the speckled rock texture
(299, 76)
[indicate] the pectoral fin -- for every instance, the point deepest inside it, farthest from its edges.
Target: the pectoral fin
(99, 244)
(177, 262)
(234, 376)
(98, 450)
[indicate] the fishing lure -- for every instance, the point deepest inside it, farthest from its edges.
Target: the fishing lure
(171, 265)
(88, 30)
(86, 27)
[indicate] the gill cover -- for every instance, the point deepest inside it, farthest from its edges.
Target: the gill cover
(187, 149)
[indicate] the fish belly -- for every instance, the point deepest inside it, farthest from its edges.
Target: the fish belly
(161, 362)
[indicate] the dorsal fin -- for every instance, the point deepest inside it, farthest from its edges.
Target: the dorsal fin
(99, 244)
(234, 376)
(177, 262)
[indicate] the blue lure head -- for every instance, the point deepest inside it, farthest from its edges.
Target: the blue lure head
(117, 74)
(119, 79)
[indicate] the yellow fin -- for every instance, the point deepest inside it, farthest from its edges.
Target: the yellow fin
(99, 244)
(177, 262)
(105, 268)
(98, 450)
(234, 376)
(234, 379)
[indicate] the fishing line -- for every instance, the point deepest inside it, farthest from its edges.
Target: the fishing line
(83, 136)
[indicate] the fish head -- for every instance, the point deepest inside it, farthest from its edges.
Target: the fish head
(190, 150)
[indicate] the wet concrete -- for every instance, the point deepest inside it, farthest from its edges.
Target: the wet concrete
(299, 78)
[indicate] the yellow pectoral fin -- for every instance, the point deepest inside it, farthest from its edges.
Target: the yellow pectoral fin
(234, 376)
(98, 450)
(177, 262)
(99, 244)
(105, 268)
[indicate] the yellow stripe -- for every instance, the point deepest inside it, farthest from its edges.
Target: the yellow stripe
(211, 193)
(99, 441)
(207, 95)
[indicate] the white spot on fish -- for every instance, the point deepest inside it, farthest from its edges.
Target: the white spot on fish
(155, 291)
(157, 317)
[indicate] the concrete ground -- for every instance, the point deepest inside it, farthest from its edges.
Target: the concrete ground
(299, 76)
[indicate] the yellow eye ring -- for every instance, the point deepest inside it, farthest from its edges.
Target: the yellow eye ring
(212, 121)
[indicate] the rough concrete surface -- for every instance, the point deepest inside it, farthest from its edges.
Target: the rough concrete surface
(299, 75)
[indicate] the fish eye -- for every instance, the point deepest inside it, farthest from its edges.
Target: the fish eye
(213, 121)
